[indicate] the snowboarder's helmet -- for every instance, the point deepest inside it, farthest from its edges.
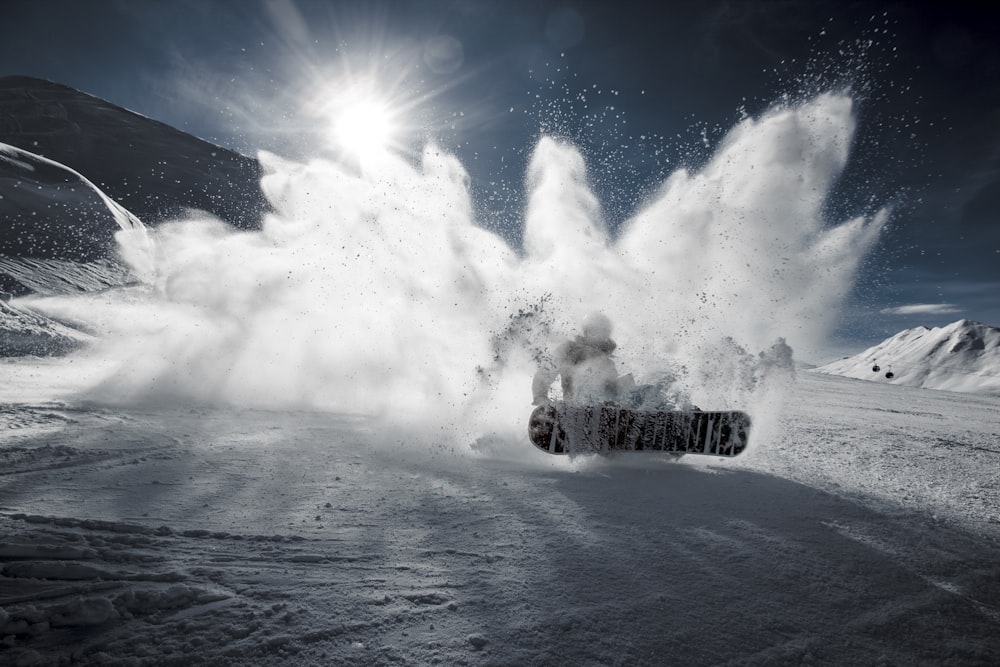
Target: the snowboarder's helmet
(597, 326)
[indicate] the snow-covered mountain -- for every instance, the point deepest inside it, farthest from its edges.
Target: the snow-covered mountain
(58, 236)
(963, 356)
(150, 168)
(74, 171)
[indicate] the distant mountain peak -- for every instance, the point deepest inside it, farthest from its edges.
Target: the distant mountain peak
(961, 356)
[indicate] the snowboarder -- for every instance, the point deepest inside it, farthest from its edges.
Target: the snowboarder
(584, 365)
(601, 412)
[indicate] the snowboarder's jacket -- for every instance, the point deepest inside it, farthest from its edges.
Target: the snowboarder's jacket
(585, 368)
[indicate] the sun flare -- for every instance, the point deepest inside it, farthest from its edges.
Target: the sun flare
(364, 128)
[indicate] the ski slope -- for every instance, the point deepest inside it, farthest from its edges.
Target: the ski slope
(861, 530)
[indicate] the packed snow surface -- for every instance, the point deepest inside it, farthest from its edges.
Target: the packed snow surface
(963, 356)
(862, 531)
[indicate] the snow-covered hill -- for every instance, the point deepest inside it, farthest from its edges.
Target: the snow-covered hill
(963, 356)
(57, 236)
(50, 211)
(74, 169)
(152, 169)
(74, 172)
(23, 332)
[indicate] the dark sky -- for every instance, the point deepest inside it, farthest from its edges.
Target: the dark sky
(662, 81)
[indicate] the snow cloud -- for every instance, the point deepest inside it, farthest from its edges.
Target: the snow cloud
(922, 309)
(374, 290)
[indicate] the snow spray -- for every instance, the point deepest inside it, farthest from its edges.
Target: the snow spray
(373, 290)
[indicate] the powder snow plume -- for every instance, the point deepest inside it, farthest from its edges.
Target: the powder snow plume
(375, 291)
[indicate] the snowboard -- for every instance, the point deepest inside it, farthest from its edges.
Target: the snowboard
(563, 429)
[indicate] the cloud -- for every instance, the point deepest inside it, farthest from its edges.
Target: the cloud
(922, 309)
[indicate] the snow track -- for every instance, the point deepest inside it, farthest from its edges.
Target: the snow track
(249, 537)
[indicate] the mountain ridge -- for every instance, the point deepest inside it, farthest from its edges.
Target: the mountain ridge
(963, 356)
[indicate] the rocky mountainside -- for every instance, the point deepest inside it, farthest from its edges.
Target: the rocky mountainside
(963, 356)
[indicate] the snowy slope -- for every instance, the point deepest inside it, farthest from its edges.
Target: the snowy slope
(862, 532)
(57, 236)
(58, 229)
(963, 356)
(154, 170)
(23, 332)
(26, 331)
(67, 160)
(52, 211)
(48, 277)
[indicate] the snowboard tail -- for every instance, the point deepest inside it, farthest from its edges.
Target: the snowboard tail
(564, 429)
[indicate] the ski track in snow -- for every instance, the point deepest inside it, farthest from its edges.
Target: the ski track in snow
(864, 531)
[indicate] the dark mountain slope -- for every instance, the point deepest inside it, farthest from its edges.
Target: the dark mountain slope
(49, 211)
(150, 168)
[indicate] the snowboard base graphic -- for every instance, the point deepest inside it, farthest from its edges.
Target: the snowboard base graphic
(563, 429)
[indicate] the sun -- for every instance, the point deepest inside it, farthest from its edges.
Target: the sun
(362, 112)
(366, 105)
(363, 127)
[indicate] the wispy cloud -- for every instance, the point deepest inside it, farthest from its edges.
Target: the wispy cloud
(922, 309)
